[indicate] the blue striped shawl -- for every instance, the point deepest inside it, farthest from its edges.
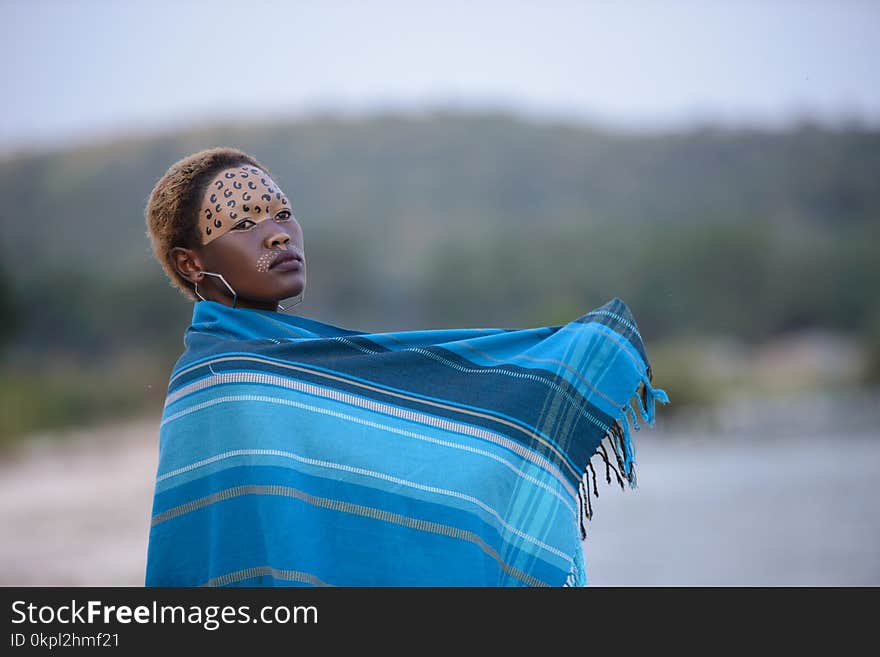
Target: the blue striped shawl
(293, 452)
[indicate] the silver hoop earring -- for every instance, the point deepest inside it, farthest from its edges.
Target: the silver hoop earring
(282, 308)
(228, 287)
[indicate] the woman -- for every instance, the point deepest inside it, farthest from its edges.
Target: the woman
(244, 226)
(295, 452)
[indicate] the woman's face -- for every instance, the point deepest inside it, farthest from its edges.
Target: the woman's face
(246, 225)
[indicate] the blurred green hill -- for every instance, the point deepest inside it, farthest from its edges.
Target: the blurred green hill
(443, 220)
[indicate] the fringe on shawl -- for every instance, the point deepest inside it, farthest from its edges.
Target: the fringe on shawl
(619, 437)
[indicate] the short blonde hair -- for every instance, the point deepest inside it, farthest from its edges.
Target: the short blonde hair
(172, 209)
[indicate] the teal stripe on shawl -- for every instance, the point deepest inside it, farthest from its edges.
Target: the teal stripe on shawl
(297, 453)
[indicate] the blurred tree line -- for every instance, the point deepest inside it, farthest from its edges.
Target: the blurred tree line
(439, 221)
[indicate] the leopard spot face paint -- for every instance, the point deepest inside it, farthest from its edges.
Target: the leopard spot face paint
(235, 194)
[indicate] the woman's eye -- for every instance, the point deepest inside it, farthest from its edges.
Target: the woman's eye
(243, 224)
(284, 215)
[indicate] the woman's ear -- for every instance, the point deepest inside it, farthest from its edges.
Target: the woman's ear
(187, 263)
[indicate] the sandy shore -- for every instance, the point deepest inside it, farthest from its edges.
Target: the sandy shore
(738, 511)
(76, 511)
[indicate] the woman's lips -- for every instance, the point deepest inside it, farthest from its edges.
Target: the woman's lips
(288, 261)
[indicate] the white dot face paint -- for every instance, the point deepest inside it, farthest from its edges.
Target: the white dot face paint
(265, 261)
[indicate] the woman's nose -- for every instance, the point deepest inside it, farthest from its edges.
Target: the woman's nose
(278, 239)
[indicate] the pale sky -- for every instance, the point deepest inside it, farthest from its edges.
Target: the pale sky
(77, 69)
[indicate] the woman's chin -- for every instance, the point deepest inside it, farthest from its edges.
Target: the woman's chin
(288, 292)
(276, 295)
(284, 286)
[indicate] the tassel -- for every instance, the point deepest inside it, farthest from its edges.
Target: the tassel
(581, 512)
(652, 395)
(611, 467)
(616, 442)
(595, 490)
(631, 416)
(589, 506)
(622, 436)
(615, 439)
(604, 455)
(628, 452)
(627, 447)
